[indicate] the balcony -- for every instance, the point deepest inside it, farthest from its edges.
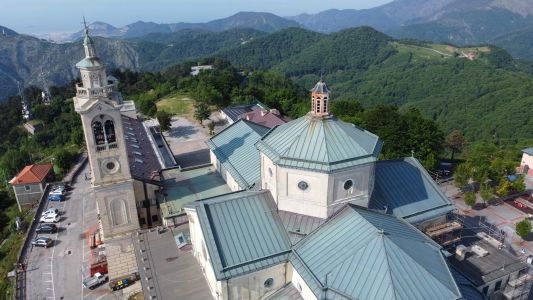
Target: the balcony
(106, 147)
(82, 92)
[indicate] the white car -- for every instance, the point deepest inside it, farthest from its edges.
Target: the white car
(58, 190)
(51, 211)
(50, 218)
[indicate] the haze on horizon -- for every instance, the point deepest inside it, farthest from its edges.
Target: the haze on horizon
(38, 16)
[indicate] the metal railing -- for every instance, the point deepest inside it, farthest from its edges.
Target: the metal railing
(82, 92)
(106, 146)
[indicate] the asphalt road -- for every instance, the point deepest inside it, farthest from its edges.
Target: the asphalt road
(56, 272)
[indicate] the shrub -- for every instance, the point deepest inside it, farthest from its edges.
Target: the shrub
(523, 228)
(470, 199)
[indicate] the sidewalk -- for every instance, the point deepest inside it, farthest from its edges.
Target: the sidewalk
(503, 216)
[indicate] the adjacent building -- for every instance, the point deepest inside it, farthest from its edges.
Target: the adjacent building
(29, 184)
(527, 162)
(257, 113)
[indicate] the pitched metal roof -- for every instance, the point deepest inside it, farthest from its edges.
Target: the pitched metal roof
(528, 151)
(35, 173)
(235, 148)
(242, 233)
(320, 87)
(234, 112)
(142, 157)
(372, 256)
(468, 291)
(319, 144)
(404, 188)
(298, 226)
(267, 118)
(89, 62)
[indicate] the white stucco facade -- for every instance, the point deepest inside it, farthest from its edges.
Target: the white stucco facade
(526, 164)
(322, 193)
(230, 181)
(249, 286)
(300, 284)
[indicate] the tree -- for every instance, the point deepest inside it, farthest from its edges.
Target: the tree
(486, 192)
(504, 188)
(470, 199)
(201, 112)
(455, 142)
(64, 159)
(461, 175)
(523, 228)
(164, 119)
(211, 127)
(519, 185)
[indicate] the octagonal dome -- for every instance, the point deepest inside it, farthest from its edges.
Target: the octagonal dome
(323, 144)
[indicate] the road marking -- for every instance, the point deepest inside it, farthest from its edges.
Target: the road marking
(82, 242)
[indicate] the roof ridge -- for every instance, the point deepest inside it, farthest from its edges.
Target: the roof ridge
(387, 261)
(415, 261)
(296, 137)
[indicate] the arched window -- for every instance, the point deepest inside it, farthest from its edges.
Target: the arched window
(98, 132)
(110, 131)
(325, 108)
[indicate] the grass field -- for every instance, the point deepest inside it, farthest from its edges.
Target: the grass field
(176, 104)
(436, 51)
(421, 52)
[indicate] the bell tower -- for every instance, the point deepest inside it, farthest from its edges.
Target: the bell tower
(99, 104)
(320, 100)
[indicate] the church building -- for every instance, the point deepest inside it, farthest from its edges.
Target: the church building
(315, 215)
(124, 165)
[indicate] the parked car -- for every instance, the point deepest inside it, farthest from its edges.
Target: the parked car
(46, 228)
(55, 197)
(49, 211)
(94, 281)
(123, 281)
(49, 219)
(42, 241)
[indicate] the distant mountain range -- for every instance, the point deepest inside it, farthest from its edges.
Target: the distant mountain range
(151, 46)
(362, 64)
(266, 22)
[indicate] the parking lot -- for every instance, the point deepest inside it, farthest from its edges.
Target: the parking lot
(56, 272)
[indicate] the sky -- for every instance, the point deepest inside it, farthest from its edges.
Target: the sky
(44, 16)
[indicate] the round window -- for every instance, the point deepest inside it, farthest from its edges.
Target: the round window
(269, 283)
(302, 185)
(270, 172)
(110, 165)
(348, 184)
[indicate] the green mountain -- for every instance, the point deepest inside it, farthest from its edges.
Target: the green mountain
(484, 97)
(23, 58)
(157, 51)
(261, 21)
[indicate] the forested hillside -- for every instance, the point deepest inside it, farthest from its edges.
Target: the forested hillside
(484, 97)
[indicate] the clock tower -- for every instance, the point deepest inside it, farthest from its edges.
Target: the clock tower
(99, 104)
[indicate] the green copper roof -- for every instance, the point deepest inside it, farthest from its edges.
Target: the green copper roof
(405, 189)
(89, 62)
(235, 148)
(320, 144)
(362, 254)
(242, 232)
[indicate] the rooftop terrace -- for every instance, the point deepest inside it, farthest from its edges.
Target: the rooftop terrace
(480, 270)
(185, 186)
